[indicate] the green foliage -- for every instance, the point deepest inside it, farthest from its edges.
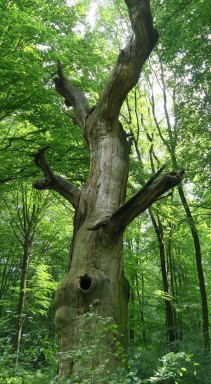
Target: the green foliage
(40, 290)
(25, 377)
(94, 358)
(176, 368)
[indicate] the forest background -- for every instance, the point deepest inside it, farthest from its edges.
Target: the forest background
(167, 260)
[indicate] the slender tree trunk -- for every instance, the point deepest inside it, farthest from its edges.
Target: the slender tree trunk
(170, 144)
(171, 336)
(170, 262)
(171, 333)
(28, 216)
(20, 317)
(140, 297)
(7, 272)
(200, 272)
(132, 317)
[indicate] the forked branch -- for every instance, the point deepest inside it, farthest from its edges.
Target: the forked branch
(51, 181)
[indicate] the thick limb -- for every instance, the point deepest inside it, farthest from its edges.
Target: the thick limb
(51, 181)
(151, 192)
(142, 200)
(130, 60)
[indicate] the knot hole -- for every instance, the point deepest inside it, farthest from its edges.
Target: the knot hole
(85, 282)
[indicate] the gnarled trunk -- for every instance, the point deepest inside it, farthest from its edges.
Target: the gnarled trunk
(96, 279)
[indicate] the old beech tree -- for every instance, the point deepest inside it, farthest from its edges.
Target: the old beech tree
(96, 275)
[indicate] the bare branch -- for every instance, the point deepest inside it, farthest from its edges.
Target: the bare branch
(73, 96)
(51, 181)
(130, 61)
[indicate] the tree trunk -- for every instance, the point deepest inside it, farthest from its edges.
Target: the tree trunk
(24, 228)
(171, 144)
(95, 283)
(7, 272)
(199, 267)
(141, 299)
(21, 301)
(171, 334)
(171, 263)
(96, 277)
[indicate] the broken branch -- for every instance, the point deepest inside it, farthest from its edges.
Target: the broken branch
(73, 96)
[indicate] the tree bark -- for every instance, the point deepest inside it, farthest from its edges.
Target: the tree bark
(96, 280)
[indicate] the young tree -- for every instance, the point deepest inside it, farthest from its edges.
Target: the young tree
(29, 209)
(96, 275)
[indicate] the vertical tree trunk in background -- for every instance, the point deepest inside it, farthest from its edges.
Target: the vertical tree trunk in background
(140, 297)
(171, 334)
(96, 277)
(158, 227)
(173, 288)
(22, 296)
(191, 223)
(137, 295)
(132, 317)
(199, 267)
(5, 279)
(24, 230)
(171, 142)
